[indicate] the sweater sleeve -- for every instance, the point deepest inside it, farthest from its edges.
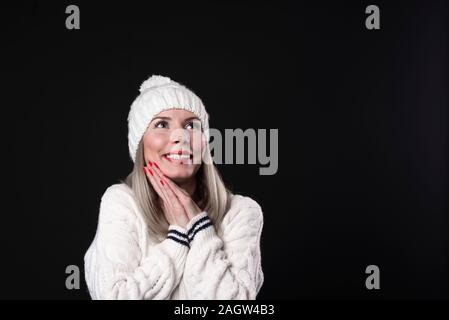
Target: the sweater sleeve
(225, 268)
(114, 267)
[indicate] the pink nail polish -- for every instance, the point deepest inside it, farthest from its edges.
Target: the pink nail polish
(144, 170)
(162, 182)
(151, 172)
(156, 165)
(150, 163)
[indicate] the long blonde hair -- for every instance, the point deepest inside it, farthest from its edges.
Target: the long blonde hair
(211, 195)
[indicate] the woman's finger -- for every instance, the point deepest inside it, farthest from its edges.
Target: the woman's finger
(158, 182)
(176, 190)
(180, 193)
(159, 190)
(150, 175)
(168, 215)
(190, 207)
(178, 206)
(188, 204)
(164, 186)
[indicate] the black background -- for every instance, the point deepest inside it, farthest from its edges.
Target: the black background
(362, 119)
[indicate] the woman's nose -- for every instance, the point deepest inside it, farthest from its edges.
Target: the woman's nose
(179, 136)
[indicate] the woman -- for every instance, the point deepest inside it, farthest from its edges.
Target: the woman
(172, 230)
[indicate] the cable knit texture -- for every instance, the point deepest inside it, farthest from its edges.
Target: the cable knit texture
(193, 263)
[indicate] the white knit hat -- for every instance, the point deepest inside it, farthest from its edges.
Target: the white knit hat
(157, 94)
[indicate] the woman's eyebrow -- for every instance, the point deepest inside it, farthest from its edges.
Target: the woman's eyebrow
(168, 118)
(192, 118)
(163, 118)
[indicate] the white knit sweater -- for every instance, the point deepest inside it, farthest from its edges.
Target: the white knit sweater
(192, 263)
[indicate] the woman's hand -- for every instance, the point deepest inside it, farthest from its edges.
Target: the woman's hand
(173, 209)
(190, 207)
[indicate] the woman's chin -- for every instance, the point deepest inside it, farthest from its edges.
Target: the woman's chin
(179, 176)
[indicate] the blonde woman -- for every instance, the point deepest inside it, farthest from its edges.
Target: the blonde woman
(172, 230)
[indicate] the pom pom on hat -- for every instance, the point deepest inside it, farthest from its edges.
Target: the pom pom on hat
(154, 81)
(157, 94)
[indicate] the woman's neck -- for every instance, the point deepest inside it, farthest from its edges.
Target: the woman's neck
(188, 185)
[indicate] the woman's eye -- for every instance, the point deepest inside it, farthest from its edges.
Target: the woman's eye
(161, 124)
(193, 125)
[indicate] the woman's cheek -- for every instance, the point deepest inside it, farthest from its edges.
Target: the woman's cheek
(198, 147)
(197, 140)
(155, 143)
(203, 145)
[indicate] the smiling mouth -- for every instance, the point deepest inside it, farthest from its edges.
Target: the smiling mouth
(178, 158)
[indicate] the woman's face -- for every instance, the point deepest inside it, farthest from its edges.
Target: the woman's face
(174, 141)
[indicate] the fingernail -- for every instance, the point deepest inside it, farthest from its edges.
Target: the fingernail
(162, 182)
(144, 170)
(151, 164)
(151, 172)
(156, 165)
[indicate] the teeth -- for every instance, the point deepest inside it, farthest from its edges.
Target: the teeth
(178, 157)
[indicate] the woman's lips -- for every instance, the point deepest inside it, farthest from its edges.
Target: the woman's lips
(178, 159)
